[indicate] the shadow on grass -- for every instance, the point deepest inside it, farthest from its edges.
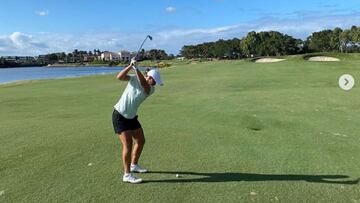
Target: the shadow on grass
(185, 177)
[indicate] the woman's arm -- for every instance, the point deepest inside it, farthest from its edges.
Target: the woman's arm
(142, 80)
(123, 74)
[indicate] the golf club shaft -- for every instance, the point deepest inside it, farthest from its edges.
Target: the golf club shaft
(141, 47)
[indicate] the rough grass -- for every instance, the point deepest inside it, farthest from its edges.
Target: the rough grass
(236, 131)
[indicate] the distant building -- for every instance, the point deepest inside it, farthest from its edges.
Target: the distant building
(89, 58)
(124, 55)
(133, 54)
(19, 59)
(10, 58)
(110, 56)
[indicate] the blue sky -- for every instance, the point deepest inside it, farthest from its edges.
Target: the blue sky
(32, 27)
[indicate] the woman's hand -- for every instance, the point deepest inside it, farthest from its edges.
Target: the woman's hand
(133, 62)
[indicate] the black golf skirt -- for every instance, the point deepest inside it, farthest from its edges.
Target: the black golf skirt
(122, 124)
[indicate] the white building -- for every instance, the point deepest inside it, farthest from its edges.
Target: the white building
(110, 56)
(126, 55)
(120, 56)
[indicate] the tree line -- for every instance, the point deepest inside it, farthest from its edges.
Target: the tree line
(154, 54)
(79, 56)
(273, 43)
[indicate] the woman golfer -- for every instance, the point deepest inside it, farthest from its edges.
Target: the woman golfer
(124, 118)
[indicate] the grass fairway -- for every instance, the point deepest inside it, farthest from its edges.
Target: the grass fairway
(237, 131)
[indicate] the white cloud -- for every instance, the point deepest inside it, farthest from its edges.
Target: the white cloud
(170, 9)
(6, 44)
(170, 40)
(303, 26)
(189, 32)
(43, 13)
(19, 43)
(19, 39)
(300, 27)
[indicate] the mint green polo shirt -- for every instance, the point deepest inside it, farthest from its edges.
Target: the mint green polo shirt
(133, 95)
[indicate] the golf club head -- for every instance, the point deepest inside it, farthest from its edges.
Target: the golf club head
(148, 36)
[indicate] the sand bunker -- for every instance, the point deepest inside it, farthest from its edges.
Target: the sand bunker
(269, 60)
(323, 58)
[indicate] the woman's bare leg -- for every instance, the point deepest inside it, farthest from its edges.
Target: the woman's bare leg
(126, 140)
(139, 139)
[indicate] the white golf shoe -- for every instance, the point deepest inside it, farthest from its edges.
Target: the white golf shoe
(136, 168)
(130, 178)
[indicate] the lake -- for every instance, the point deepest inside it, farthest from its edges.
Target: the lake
(30, 73)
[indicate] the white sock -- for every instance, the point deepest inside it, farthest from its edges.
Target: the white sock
(127, 174)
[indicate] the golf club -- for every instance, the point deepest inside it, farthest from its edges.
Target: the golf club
(148, 36)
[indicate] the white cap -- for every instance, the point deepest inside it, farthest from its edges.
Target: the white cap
(154, 73)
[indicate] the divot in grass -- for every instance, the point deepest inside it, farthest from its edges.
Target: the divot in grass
(253, 123)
